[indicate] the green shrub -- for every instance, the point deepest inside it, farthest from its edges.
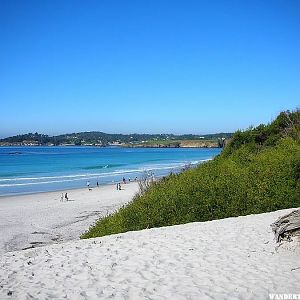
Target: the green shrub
(259, 171)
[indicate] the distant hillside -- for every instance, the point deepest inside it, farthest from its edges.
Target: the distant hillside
(258, 171)
(104, 139)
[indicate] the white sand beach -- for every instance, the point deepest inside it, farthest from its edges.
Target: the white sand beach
(234, 258)
(41, 219)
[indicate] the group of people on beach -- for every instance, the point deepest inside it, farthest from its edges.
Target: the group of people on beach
(119, 188)
(88, 185)
(124, 182)
(129, 180)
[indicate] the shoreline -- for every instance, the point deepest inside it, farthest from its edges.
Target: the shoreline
(107, 166)
(157, 177)
(61, 190)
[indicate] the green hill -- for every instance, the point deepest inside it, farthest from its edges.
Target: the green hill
(104, 139)
(258, 171)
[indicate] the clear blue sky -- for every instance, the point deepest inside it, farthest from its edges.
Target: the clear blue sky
(146, 66)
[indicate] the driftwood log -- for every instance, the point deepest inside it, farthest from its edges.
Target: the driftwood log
(287, 226)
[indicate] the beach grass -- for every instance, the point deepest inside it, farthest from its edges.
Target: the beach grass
(258, 171)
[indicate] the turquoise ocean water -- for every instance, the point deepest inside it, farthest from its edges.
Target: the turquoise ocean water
(39, 169)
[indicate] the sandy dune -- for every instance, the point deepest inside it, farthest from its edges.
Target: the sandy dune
(234, 258)
(41, 219)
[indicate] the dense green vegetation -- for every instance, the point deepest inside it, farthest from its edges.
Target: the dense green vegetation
(101, 138)
(258, 171)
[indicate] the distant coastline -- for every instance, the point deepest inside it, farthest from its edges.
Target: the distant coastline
(100, 139)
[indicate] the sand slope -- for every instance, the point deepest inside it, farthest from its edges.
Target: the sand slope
(233, 258)
(41, 219)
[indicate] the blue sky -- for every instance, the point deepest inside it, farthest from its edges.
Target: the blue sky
(147, 66)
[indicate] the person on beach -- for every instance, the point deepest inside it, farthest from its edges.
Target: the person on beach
(97, 184)
(124, 180)
(62, 197)
(66, 197)
(88, 185)
(119, 186)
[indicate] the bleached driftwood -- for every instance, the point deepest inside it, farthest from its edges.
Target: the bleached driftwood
(287, 226)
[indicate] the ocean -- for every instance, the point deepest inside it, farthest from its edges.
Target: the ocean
(26, 170)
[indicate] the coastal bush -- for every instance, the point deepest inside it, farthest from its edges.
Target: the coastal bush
(258, 171)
